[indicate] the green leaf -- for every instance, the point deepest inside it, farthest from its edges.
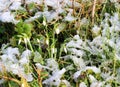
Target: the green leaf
(38, 57)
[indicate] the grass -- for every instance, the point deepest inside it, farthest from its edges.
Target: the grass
(76, 45)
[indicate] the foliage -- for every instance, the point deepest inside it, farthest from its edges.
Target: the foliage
(59, 43)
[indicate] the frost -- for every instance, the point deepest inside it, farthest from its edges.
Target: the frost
(34, 1)
(28, 77)
(7, 17)
(39, 66)
(52, 64)
(10, 61)
(82, 84)
(37, 15)
(97, 84)
(84, 21)
(55, 78)
(96, 30)
(92, 78)
(25, 57)
(67, 83)
(15, 6)
(70, 18)
(93, 68)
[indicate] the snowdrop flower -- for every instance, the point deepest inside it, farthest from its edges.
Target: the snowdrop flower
(55, 78)
(82, 84)
(7, 17)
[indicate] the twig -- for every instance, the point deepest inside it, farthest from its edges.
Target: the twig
(93, 11)
(9, 78)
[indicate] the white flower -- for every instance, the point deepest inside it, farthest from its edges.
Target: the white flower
(82, 84)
